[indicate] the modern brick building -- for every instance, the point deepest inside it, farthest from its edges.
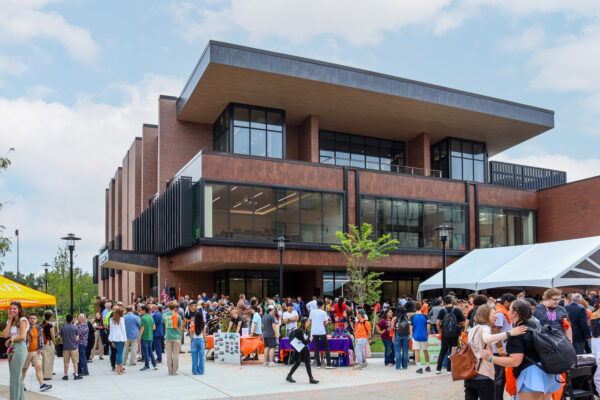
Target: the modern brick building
(260, 144)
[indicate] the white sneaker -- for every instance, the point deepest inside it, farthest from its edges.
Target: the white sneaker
(272, 364)
(266, 363)
(438, 372)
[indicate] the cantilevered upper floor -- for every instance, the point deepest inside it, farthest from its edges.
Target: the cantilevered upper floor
(351, 100)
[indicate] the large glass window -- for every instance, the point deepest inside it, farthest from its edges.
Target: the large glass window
(263, 213)
(460, 159)
(413, 222)
(360, 151)
(253, 130)
(505, 227)
(334, 284)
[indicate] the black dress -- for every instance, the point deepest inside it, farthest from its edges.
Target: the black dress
(300, 356)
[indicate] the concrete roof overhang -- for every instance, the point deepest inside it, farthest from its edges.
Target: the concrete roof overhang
(352, 100)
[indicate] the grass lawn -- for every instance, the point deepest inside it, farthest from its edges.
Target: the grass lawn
(377, 346)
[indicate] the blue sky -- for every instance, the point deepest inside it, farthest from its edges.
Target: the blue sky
(78, 79)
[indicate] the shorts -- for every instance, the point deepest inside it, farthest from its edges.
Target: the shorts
(34, 358)
(533, 379)
(270, 342)
(416, 345)
(71, 355)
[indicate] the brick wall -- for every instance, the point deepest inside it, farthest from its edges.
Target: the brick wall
(418, 153)
(178, 141)
(506, 197)
(149, 166)
(308, 139)
(569, 211)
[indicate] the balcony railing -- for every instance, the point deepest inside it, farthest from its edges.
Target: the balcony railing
(399, 169)
(524, 177)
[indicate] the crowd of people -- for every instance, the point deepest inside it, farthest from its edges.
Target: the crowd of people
(150, 328)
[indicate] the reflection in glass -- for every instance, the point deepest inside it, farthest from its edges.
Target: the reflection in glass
(528, 222)
(274, 144)
(367, 213)
(258, 143)
(240, 212)
(429, 224)
(241, 140)
(288, 209)
(265, 213)
(310, 203)
(215, 211)
(333, 219)
(499, 228)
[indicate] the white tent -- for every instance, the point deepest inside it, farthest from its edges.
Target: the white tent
(555, 264)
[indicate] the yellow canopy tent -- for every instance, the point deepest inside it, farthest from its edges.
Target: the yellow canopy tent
(28, 297)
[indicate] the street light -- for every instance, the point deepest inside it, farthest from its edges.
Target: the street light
(281, 247)
(71, 238)
(46, 265)
(444, 231)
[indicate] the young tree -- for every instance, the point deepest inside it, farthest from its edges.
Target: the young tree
(4, 241)
(362, 253)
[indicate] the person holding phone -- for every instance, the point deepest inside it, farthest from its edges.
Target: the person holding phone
(15, 334)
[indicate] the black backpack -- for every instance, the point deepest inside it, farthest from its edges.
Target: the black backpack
(555, 351)
(449, 326)
(402, 325)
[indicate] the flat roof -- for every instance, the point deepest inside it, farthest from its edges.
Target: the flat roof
(352, 100)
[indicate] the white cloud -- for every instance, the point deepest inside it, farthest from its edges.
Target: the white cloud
(22, 22)
(576, 168)
(571, 64)
(64, 158)
(10, 65)
(355, 21)
(38, 91)
(530, 39)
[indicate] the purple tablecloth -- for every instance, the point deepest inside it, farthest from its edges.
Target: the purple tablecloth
(335, 345)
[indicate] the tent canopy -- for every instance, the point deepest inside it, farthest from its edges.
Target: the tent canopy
(10, 290)
(554, 264)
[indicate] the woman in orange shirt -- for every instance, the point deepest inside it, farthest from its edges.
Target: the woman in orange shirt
(362, 335)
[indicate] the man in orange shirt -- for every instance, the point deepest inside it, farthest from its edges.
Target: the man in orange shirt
(362, 336)
(35, 349)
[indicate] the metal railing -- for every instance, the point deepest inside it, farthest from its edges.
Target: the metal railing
(525, 177)
(399, 169)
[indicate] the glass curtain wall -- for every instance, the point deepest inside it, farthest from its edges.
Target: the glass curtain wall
(413, 222)
(361, 151)
(263, 213)
(256, 131)
(460, 159)
(506, 227)
(334, 284)
(251, 283)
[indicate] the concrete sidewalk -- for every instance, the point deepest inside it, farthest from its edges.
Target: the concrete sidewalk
(224, 381)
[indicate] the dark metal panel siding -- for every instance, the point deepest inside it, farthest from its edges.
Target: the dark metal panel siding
(95, 269)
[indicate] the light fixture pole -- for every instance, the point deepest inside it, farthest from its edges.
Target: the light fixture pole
(46, 265)
(444, 231)
(281, 247)
(71, 238)
(17, 235)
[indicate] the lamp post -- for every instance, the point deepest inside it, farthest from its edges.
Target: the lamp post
(281, 247)
(444, 231)
(46, 265)
(17, 235)
(71, 238)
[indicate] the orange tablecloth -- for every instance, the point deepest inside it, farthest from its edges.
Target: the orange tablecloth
(247, 344)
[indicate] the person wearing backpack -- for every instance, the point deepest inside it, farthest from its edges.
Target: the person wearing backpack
(385, 327)
(532, 381)
(449, 323)
(480, 338)
(419, 327)
(401, 326)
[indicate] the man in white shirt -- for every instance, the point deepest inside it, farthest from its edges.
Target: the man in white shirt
(290, 319)
(318, 321)
(311, 305)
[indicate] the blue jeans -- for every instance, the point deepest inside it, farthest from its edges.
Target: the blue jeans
(82, 366)
(389, 351)
(157, 341)
(401, 344)
(119, 348)
(197, 349)
(147, 353)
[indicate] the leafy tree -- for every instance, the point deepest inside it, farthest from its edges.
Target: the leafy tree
(4, 241)
(34, 282)
(84, 290)
(362, 253)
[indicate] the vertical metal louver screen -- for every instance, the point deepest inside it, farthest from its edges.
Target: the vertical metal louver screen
(524, 177)
(167, 224)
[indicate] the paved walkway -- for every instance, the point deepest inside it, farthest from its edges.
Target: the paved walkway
(232, 381)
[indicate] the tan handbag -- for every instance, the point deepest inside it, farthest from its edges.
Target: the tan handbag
(463, 362)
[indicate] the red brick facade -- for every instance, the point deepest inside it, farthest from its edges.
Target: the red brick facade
(564, 212)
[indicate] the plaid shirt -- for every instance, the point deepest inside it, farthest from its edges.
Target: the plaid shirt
(40, 338)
